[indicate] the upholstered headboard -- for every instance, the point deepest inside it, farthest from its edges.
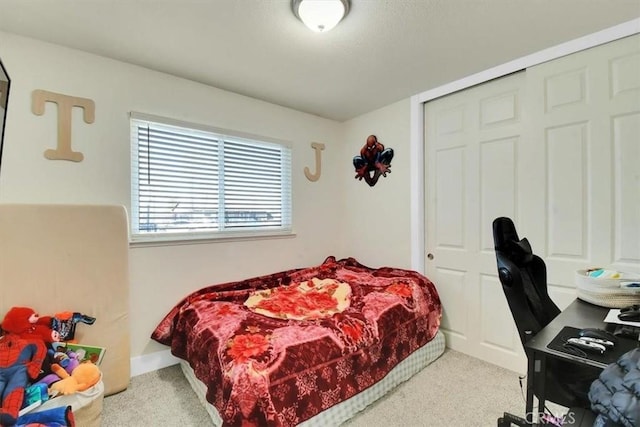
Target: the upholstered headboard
(56, 258)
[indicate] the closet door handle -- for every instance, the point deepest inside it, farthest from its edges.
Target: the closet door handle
(429, 256)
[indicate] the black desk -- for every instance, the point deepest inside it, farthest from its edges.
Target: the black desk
(578, 314)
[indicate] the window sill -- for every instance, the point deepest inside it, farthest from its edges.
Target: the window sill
(141, 241)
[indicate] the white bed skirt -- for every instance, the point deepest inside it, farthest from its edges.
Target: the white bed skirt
(343, 411)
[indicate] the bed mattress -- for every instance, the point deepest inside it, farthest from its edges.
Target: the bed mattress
(347, 409)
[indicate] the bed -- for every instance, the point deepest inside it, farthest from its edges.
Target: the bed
(56, 258)
(309, 346)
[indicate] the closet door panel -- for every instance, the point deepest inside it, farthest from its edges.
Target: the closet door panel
(567, 230)
(583, 123)
(626, 143)
(471, 157)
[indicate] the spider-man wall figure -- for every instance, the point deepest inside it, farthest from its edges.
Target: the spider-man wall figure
(374, 160)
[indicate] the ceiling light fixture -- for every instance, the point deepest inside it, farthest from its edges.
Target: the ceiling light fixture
(320, 15)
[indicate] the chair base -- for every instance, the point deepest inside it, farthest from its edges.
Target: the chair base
(508, 420)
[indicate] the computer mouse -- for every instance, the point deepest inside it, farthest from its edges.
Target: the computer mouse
(588, 346)
(598, 334)
(630, 315)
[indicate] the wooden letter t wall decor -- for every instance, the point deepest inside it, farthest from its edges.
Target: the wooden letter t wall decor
(65, 103)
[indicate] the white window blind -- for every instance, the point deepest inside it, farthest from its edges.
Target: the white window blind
(190, 183)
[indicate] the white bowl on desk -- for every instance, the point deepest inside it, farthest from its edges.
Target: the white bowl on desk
(608, 292)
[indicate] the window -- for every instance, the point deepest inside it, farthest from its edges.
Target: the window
(190, 182)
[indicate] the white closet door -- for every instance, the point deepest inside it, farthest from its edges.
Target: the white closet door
(556, 148)
(582, 204)
(473, 140)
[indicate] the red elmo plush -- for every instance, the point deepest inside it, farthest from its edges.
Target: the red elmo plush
(22, 351)
(24, 321)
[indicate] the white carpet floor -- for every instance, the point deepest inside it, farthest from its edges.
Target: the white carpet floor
(456, 390)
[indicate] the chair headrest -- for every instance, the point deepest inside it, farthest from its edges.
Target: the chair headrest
(503, 231)
(520, 251)
(506, 240)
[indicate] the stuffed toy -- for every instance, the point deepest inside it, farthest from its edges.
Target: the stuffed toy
(68, 361)
(59, 327)
(61, 416)
(20, 360)
(25, 322)
(65, 323)
(85, 375)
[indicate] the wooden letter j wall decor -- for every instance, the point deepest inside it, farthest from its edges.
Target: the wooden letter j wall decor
(318, 147)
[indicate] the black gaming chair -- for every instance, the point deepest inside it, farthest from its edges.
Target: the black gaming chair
(524, 281)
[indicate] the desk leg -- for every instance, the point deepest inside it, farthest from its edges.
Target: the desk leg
(542, 378)
(536, 373)
(531, 371)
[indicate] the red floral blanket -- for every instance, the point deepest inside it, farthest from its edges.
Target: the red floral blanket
(278, 349)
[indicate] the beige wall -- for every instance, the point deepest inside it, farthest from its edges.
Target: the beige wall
(162, 275)
(377, 219)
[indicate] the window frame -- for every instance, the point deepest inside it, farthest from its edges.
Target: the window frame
(192, 237)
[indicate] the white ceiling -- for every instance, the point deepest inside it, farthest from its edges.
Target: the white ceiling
(384, 51)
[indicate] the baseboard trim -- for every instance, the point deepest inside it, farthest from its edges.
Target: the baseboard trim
(152, 362)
